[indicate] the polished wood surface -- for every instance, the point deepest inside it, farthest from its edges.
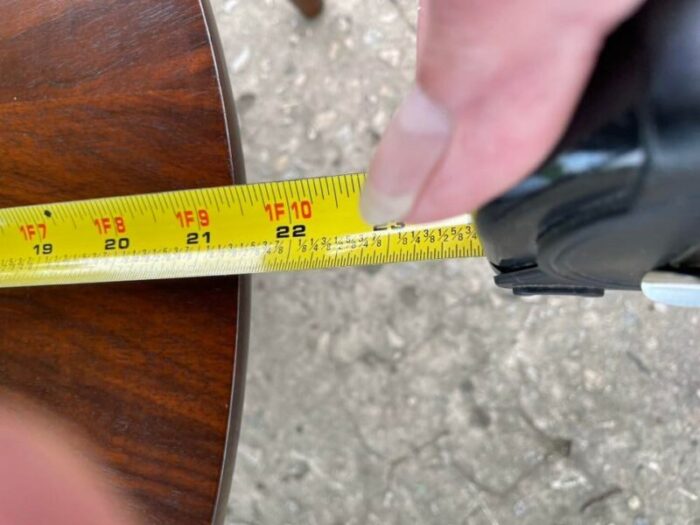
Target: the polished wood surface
(109, 98)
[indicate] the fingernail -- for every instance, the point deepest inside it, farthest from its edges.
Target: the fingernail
(417, 137)
(378, 208)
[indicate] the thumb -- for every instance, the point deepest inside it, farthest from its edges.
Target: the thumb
(496, 84)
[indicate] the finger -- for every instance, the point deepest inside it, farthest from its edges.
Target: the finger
(416, 139)
(507, 132)
(507, 75)
(42, 482)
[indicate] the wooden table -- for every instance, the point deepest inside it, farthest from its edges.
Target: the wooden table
(115, 97)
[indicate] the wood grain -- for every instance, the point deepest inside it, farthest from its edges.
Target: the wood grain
(111, 98)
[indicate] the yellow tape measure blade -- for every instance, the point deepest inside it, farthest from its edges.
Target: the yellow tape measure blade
(254, 228)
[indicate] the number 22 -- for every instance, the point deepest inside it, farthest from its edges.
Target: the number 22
(298, 230)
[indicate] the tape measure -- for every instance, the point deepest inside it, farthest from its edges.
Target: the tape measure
(254, 228)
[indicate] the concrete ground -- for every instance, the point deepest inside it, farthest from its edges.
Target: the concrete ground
(420, 393)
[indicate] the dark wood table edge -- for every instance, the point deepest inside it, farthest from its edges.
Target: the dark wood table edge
(237, 165)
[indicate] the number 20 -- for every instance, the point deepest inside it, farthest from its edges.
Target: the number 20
(112, 244)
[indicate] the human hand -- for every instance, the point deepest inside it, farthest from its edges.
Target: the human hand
(496, 85)
(42, 481)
